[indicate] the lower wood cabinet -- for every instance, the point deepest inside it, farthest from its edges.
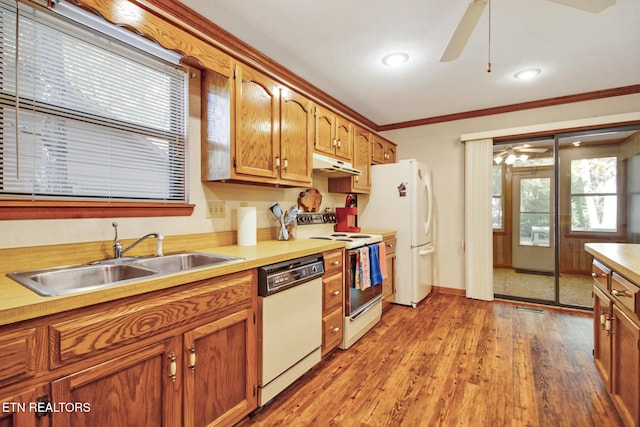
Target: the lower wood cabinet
(20, 409)
(616, 350)
(389, 284)
(138, 389)
(625, 369)
(332, 300)
(185, 356)
(602, 344)
(220, 371)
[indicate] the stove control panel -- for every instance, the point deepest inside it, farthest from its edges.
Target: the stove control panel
(308, 218)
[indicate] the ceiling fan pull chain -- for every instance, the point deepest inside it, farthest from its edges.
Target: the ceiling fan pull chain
(489, 49)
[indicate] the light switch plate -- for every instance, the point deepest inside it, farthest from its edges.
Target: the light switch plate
(215, 209)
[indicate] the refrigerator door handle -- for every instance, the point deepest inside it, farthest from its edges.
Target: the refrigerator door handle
(423, 252)
(429, 203)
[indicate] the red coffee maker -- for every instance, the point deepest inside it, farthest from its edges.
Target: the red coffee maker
(347, 217)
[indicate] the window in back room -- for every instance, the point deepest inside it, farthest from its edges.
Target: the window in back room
(84, 116)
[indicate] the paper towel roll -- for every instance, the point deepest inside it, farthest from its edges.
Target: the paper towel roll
(247, 226)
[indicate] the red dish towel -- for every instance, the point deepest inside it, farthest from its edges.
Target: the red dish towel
(382, 255)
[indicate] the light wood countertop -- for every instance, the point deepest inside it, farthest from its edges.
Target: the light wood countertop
(624, 258)
(19, 303)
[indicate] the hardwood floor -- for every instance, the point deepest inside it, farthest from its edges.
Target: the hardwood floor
(453, 361)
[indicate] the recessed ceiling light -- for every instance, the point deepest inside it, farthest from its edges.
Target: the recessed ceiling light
(396, 58)
(527, 74)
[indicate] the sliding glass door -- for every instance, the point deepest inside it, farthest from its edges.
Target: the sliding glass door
(553, 195)
(524, 243)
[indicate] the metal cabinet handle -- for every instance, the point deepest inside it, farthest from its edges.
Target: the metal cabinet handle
(335, 142)
(335, 263)
(286, 164)
(277, 162)
(339, 144)
(335, 330)
(172, 367)
(335, 293)
(192, 358)
(617, 293)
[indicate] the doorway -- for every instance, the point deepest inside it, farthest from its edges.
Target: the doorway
(552, 195)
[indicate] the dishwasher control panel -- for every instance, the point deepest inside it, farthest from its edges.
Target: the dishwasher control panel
(283, 275)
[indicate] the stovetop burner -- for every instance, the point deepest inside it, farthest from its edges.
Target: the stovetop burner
(353, 240)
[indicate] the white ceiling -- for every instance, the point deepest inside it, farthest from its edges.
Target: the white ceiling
(338, 45)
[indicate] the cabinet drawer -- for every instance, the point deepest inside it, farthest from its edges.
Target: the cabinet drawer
(600, 274)
(332, 292)
(333, 261)
(331, 331)
(625, 292)
(127, 322)
(18, 355)
(390, 245)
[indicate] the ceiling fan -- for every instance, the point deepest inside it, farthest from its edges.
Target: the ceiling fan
(472, 15)
(511, 154)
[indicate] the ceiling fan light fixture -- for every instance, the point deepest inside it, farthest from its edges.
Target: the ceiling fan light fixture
(395, 59)
(511, 159)
(527, 74)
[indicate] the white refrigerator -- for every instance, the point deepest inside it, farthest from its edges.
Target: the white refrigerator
(401, 199)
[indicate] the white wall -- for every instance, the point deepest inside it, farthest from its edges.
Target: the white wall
(439, 147)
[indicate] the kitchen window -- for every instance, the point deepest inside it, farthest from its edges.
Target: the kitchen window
(86, 117)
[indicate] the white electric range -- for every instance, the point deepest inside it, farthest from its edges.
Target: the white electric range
(363, 307)
(321, 226)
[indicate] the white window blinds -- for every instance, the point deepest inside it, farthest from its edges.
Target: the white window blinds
(84, 116)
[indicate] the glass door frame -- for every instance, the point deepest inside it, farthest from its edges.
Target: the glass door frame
(556, 204)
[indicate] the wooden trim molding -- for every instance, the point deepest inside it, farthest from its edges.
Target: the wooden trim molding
(36, 209)
(549, 102)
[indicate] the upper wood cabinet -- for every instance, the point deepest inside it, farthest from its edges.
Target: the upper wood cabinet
(361, 161)
(296, 137)
(256, 150)
(333, 134)
(254, 130)
(382, 151)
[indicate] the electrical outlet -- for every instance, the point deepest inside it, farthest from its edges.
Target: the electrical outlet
(215, 209)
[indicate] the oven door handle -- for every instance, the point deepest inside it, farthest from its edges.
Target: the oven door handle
(366, 307)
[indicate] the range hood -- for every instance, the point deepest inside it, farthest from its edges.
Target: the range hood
(334, 167)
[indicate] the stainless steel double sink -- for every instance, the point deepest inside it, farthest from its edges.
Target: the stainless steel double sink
(101, 274)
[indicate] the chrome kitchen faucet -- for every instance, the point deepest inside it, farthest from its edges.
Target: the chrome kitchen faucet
(118, 249)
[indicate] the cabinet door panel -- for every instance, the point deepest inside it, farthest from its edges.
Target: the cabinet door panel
(324, 131)
(257, 139)
(344, 143)
(625, 387)
(362, 160)
(296, 137)
(220, 385)
(136, 390)
(602, 318)
(19, 413)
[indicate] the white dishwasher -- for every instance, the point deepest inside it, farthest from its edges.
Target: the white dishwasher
(290, 328)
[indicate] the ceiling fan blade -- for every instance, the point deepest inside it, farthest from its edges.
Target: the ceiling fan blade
(593, 6)
(465, 27)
